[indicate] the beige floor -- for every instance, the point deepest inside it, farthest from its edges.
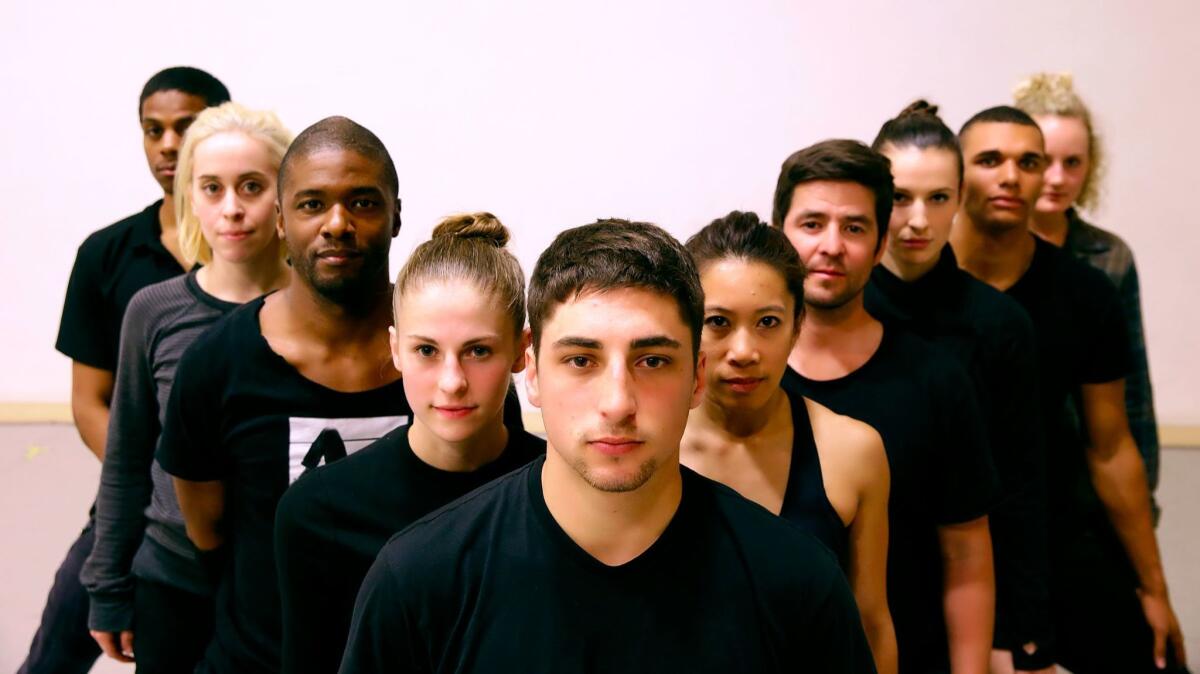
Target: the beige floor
(47, 481)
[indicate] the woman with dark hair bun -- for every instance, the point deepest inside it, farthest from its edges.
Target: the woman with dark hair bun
(919, 286)
(823, 471)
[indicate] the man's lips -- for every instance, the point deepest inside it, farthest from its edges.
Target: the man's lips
(338, 256)
(166, 169)
(1007, 202)
(831, 273)
(614, 445)
(743, 384)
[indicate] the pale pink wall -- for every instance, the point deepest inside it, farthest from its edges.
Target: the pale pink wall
(551, 114)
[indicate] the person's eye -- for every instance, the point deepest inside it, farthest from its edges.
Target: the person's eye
(363, 204)
(578, 362)
(856, 229)
(309, 205)
(655, 362)
(770, 321)
(1030, 164)
(1073, 162)
(940, 198)
(901, 199)
(717, 322)
(425, 351)
(810, 224)
(210, 188)
(479, 352)
(989, 162)
(252, 187)
(153, 131)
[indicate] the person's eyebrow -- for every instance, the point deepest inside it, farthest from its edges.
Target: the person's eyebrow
(369, 190)
(1033, 155)
(858, 218)
(470, 342)
(312, 192)
(655, 341)
(578, 342)
(770, 308)
(813, 214)
(247, 174)
(986, 154)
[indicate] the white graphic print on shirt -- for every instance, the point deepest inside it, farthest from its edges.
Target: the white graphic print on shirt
(344, 436)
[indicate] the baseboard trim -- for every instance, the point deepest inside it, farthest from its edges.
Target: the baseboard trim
(57, 413)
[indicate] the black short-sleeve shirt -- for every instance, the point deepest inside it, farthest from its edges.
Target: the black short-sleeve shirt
(111, 266)
(491, 583)
(331, 524)
(923, 406)
(240, 413)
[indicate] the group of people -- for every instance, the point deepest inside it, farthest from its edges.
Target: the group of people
(904, 426)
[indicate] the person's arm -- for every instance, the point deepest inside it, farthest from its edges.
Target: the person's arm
(868, 557)
(383, 638)
(1120, 481)
(969, 594)
(1139, 396)
(203, 507)
(91, 393)
(315, 622)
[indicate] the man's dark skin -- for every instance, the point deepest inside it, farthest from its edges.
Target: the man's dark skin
(165, 116)
(337, 217)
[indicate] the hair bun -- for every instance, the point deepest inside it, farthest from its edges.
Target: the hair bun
(480, 225)
(919, 107)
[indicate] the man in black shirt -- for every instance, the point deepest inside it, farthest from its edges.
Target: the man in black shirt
(833, 201)
(606, 556)
(1109, 595)
(111, 265)
(288, 382)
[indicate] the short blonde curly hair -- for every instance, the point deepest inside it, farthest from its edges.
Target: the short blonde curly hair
(1054, 94)
(261, 125)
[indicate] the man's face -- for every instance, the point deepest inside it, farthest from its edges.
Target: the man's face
(1068, 159)
(615, 379)
(1002, 174)
(165, 116)
(831, 224)
(338, 220)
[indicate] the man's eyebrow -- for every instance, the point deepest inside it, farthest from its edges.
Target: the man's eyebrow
(656, 341)
(813, 214)
(858, 218)
(578, 342)
(312, 192)
(1033, 155)
(986, 153)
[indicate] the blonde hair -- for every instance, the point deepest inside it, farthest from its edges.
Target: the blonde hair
(260, 125)
(469, 247)
(1054, 94)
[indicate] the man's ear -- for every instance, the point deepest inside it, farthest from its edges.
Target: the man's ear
(396, 220)
(525, 341)
(279, 229)
(532, 385)
(394, 345)
(698, 387)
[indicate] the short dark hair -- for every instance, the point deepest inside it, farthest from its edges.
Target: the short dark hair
(841, 160)
(1002, 114)
(919, 126)
(344, 134)
(743, 236)
(189, 80)
(609, 255)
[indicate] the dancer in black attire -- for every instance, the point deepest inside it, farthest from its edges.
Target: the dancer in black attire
(460, 314)
(831, 201)
(288, 382)
(1109, 597)
(111, 266)
(826, 472)
(606, 556)
(920, 287)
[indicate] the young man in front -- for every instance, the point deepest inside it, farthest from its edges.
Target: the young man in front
(607, 556)
(111, 266)
(1109, 598)
(289, 381)
(833, 201)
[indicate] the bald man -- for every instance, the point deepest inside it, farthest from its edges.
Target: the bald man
(288, 382)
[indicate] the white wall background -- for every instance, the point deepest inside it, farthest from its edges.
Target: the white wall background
(552, 114)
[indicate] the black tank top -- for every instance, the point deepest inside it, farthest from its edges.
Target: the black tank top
(804, 500)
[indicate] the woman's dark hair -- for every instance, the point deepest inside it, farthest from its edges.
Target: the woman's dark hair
(742, 236)
(919, 126)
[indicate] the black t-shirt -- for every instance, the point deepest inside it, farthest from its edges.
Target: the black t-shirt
(331, 524)
(238, 412)
(921, 403)
(491, 583)
(805, 501)
(992, 337)
(1082, 339)
(111, 266)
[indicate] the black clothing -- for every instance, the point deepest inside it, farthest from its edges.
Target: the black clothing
(491, 583)
(805, 501)
(331, 524)
(240, 413)
(171, 629)
(921, 403)
(111, 266)
(62, 644)
(992, 337)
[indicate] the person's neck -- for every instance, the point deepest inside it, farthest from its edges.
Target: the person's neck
(339, 325)
(1051, 227)
(998, 256)
(739, 424)
(464, 456)
(612, 527)
(166, 215)
(909, 272)
(240, 282)
(835, 341)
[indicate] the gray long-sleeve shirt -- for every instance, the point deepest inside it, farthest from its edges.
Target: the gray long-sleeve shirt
(139, 527)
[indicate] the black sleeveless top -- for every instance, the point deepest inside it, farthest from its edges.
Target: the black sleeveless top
(804, 500)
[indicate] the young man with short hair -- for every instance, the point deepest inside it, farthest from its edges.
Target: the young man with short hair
(1109, 595)
(288, 382)
(111, 265)
(833, 201)
(607, 556)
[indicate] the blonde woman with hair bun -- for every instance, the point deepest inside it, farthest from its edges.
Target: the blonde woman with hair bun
(151, 598)
(1076, 164)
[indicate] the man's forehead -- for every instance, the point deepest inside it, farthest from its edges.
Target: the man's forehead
(1004, 137)
(615, 316)
(334, 168)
